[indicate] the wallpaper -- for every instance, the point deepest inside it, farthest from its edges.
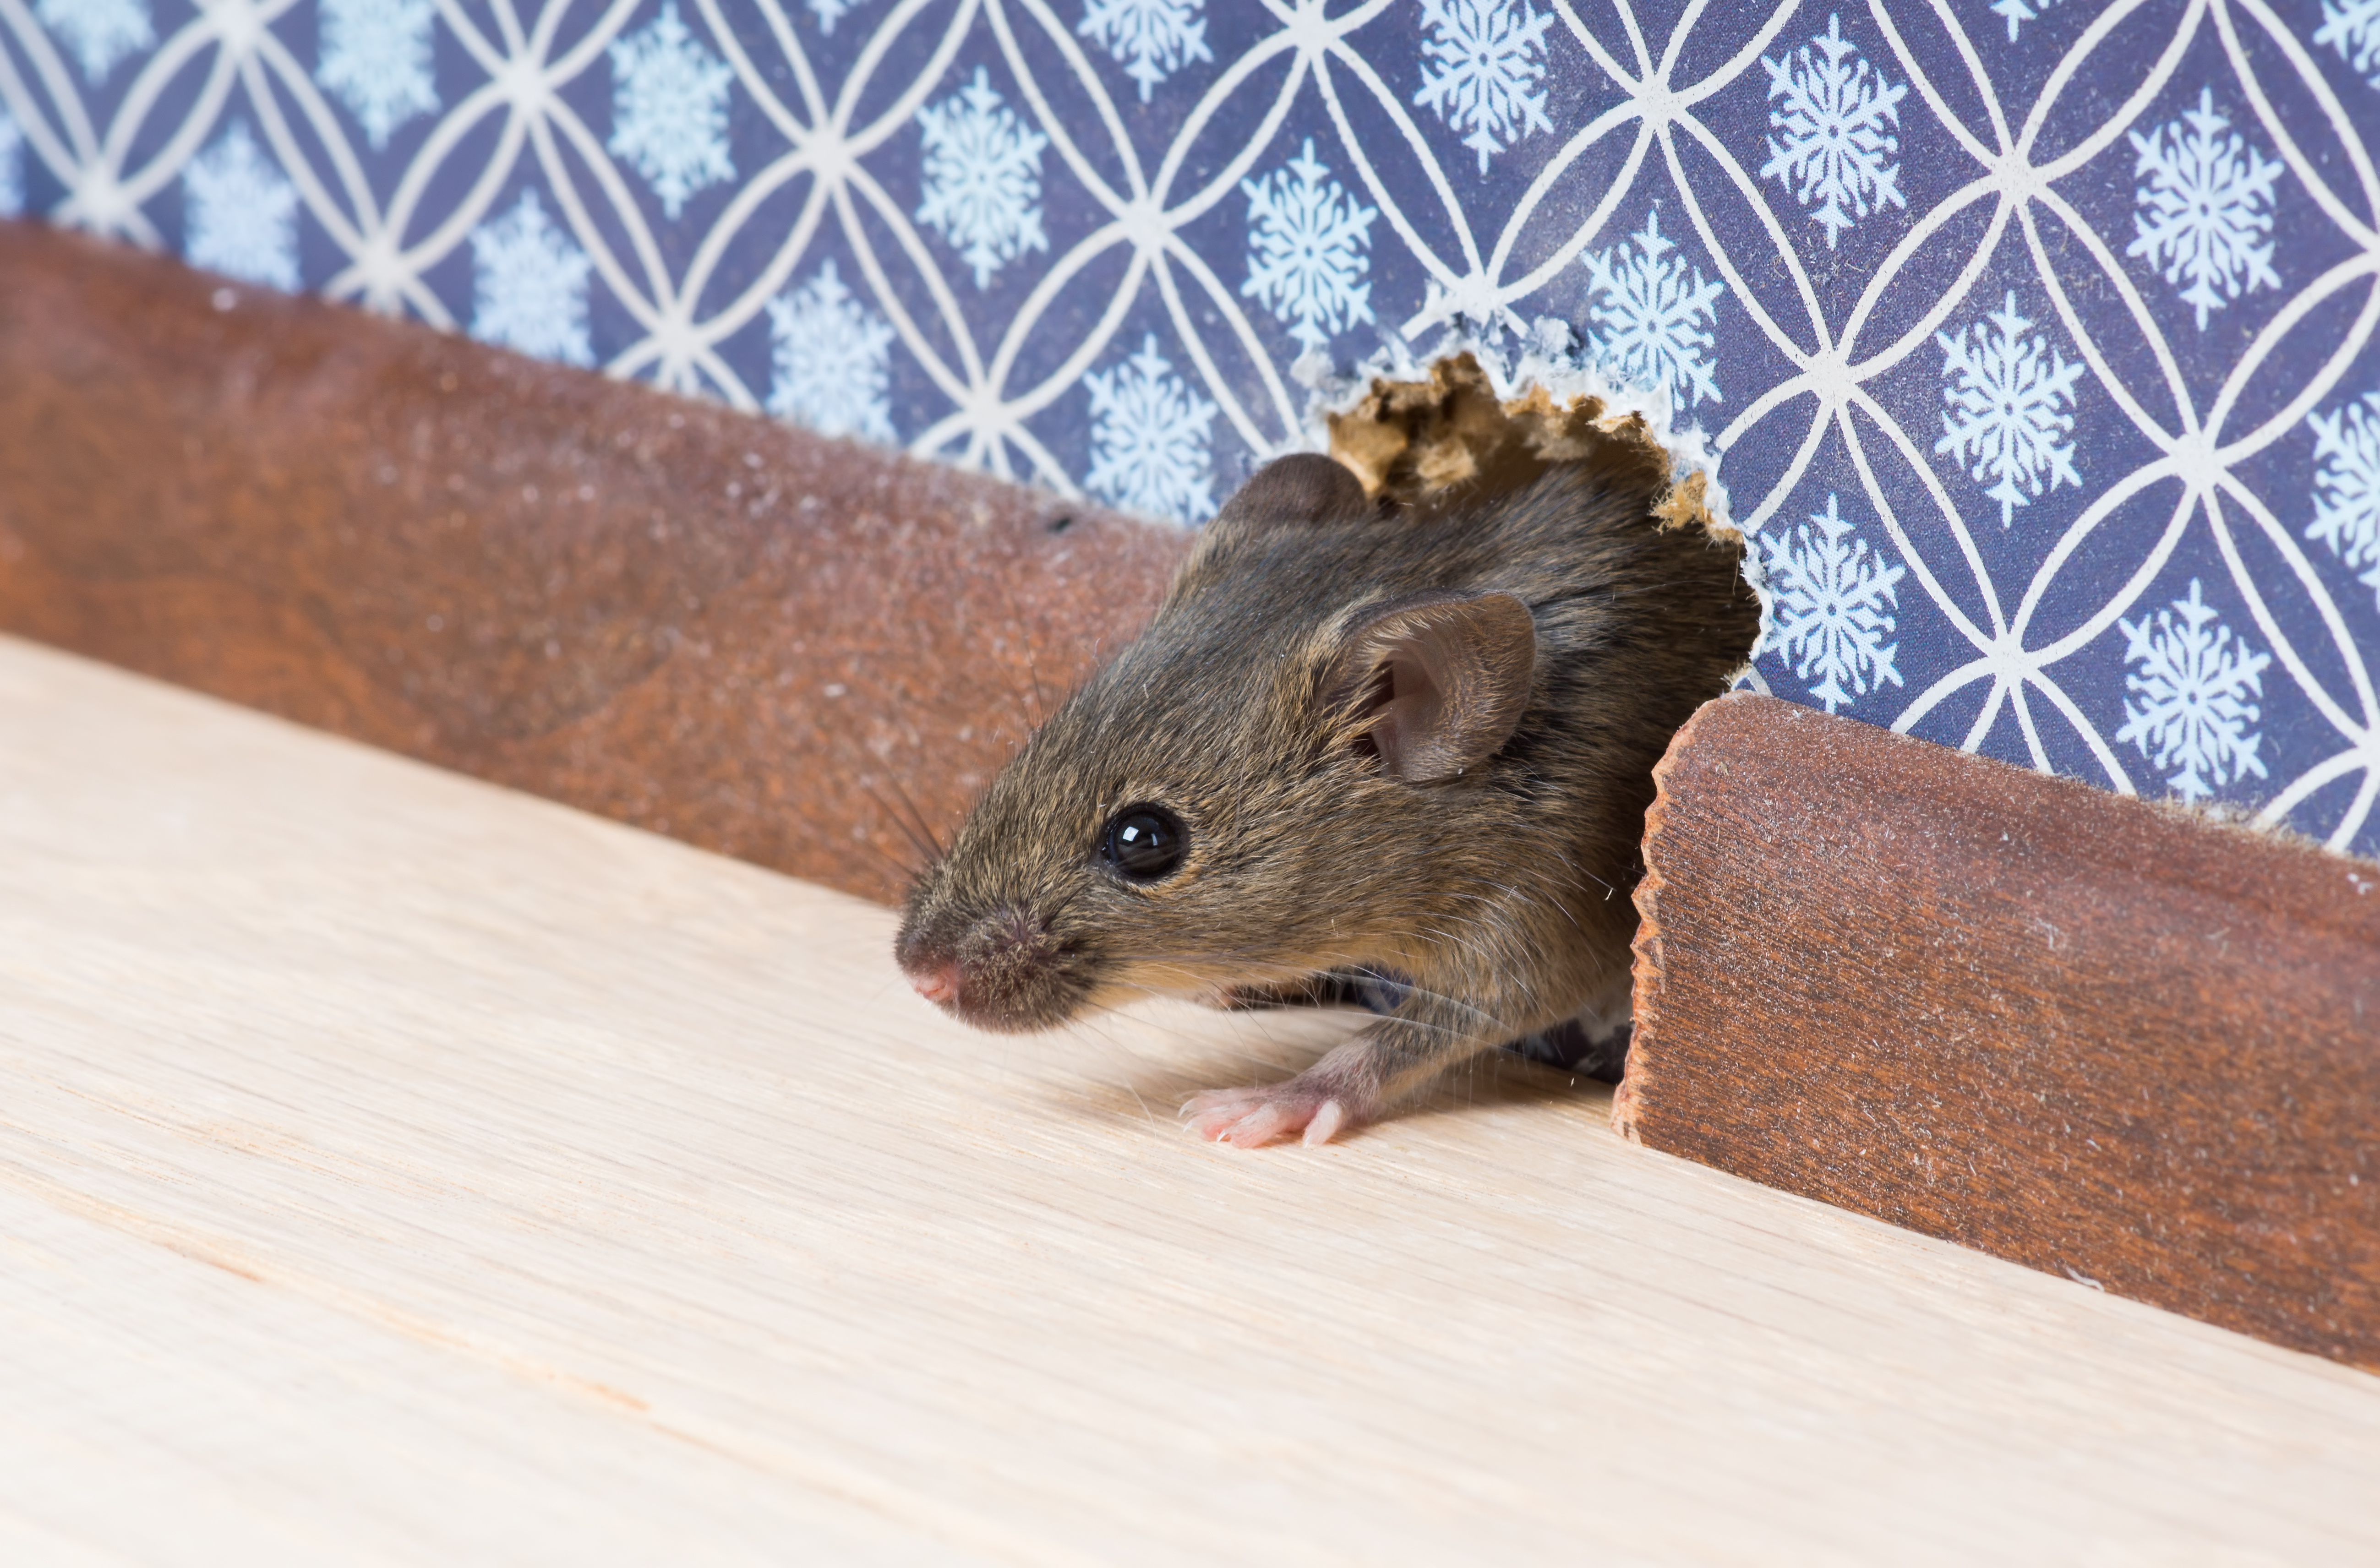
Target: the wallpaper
(2034, 337)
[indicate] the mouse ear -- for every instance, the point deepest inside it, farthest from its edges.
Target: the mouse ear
(1437, 681)
(1302, 487)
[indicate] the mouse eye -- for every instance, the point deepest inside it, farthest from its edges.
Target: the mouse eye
(1145, 843)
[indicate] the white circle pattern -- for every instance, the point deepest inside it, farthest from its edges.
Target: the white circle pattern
(2035, 339)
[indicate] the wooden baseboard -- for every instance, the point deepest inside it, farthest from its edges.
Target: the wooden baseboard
(2074, 1031)
(799, 651)
(2107, 1038)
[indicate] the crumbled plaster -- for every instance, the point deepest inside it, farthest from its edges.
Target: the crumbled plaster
(1469, 425)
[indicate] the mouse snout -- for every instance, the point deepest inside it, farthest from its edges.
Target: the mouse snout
(938, 985)
(1003, 971)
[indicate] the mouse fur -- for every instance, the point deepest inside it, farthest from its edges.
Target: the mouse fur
(1402, 741)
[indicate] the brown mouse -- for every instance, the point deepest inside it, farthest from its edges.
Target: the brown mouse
(1409, 747)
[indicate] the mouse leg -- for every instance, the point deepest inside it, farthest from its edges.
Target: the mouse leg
(1268, 1113)
(1351, 1086)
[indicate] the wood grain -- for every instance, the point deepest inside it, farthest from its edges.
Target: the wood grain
(396, 1169)
(804, 652)
(2105, 1039)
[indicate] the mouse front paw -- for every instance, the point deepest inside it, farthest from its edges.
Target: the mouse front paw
(1249, 1118)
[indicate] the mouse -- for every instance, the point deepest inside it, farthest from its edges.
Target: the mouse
(1395, 751)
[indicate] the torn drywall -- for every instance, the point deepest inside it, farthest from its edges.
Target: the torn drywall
(1467, 426)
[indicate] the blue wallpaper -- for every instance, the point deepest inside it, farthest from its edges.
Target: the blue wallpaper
(2034, 337)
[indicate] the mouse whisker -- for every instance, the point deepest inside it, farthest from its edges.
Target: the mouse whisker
(923, 828)
(910, 871)
(1039, 706)
(928, 851)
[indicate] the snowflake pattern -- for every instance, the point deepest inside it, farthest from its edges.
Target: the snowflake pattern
(1832, 607)
(376, 60)
(1191, 206)
(100, 32)
(1650, 316)
(669, 109)
(2018, 12)
(829, 353)
(2347, 486)
(1307, 249)
(2009, 408)
(1839, 124)
(1481, 64)
(982, 178)
(830, 12)
(1149, 439)
(529, 285)
(12, 166)
(239, 214)
(1151, 38)
(2205, 202)
(2194, 684)
(2352, 27)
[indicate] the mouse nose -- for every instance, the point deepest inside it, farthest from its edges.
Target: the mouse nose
(938, 985)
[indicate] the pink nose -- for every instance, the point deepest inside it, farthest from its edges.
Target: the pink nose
(937, 985)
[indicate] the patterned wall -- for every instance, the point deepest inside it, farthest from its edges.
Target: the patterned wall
(2037, 336)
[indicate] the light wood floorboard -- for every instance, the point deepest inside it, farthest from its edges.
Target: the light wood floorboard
(394, 1169)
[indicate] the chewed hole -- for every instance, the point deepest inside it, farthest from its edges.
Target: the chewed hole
(1462, 437)
(1456, 435)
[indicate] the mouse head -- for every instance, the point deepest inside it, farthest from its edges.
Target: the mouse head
(1249, 794)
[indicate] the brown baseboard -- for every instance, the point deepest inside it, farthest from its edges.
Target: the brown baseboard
(2114, 1042)
(2105, 1039)
(754, 639)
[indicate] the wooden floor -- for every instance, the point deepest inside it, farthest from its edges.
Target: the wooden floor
(393, 1169)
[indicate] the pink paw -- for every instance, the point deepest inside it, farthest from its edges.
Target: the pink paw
(1252, 1117)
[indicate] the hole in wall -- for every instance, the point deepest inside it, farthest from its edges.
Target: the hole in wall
(1453, 439)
